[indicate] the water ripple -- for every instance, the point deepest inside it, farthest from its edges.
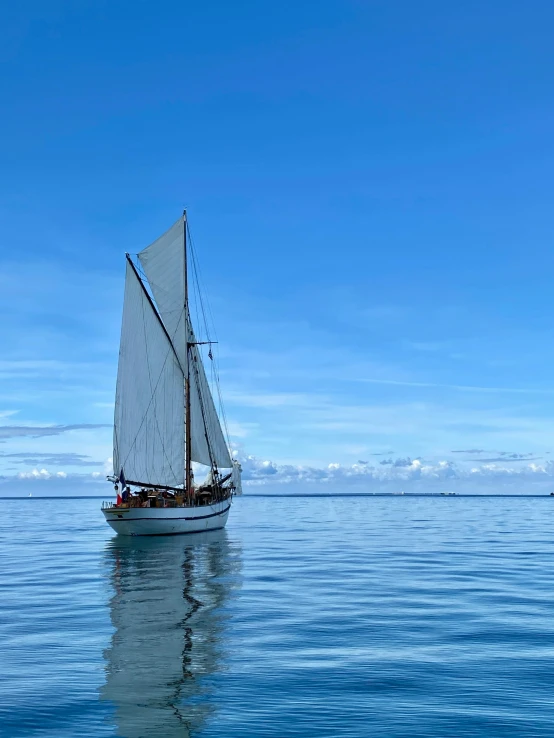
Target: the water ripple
(402, 616)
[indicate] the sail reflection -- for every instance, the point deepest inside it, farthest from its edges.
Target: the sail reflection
(170, 623)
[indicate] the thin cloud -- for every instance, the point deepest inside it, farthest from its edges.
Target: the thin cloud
(459, 387)
(469, 451)
(501, 455)
(38, 431)
(52, 459)
(504, 458)
(514, 456)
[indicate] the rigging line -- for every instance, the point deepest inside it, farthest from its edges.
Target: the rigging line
(205, 398)
(223, 418)
(197, 292)
(210, 452)
(196, 274)
(195, 300)
(199, 281)
(214, 369)
(193, 348)
(210, 318)
(209, 324)
(215, 373)
(198, 300)
(201, 388)
(199, 284)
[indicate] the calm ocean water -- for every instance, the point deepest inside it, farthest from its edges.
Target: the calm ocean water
(374, 616)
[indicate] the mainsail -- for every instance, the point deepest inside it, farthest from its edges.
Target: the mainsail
(149, 436)
(158, 355)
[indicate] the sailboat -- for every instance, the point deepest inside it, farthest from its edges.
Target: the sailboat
(165, 416)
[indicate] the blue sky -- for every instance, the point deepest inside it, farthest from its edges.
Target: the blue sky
(369, 189)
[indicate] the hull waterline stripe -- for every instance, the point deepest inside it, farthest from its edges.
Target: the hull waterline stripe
(199, 517)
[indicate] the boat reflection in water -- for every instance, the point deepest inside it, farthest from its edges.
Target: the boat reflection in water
(168, 612)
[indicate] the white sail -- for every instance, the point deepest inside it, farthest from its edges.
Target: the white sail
(164, 265)
(236, 479)
(206, 433)
(149, 436)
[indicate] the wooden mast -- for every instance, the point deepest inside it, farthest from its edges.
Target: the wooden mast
(188, 434)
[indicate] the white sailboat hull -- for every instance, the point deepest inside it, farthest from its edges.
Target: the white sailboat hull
(166, 521)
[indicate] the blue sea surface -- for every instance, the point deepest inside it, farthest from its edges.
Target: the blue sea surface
(316, 616)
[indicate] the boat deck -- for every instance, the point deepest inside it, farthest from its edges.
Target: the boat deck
(161, 503)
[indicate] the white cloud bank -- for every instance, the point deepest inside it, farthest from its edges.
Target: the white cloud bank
(402, 474)
(391, 475)
(42, 474)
